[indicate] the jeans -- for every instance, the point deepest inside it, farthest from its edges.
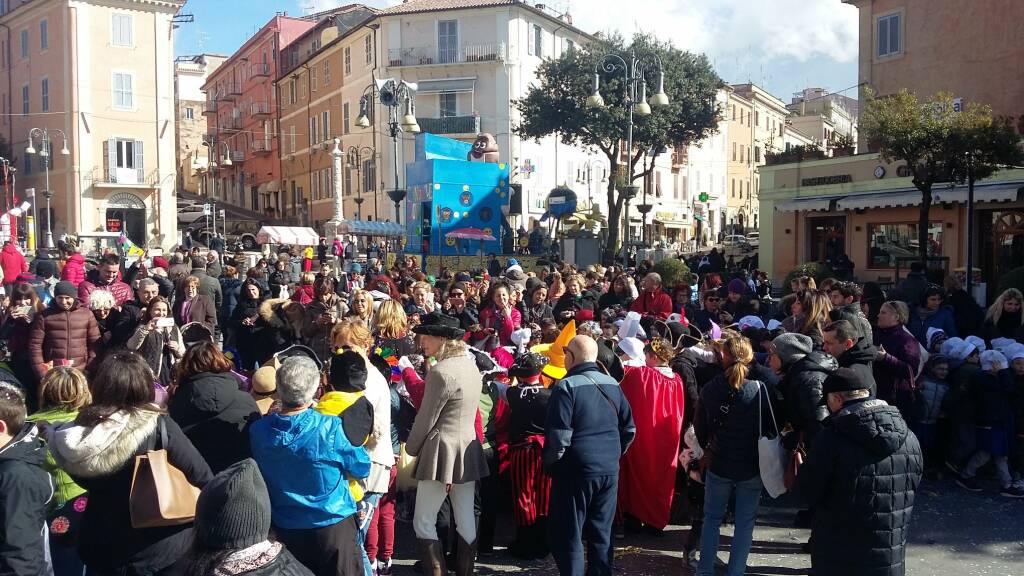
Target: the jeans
(717, 491)
(369, 506)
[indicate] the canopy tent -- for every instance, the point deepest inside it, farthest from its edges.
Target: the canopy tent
(296, 235)
(371, 228)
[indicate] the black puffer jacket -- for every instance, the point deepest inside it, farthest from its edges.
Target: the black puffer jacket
(801, 387)
(25, 488)
(861, 477)
(730, 436)
(215, 415)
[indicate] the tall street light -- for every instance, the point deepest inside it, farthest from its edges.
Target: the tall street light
(354, 161)
(393, 94)
(42, 135)
(634, 98)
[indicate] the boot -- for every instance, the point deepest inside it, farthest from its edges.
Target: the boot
(540, 535)
(433, 558)
(465, 558)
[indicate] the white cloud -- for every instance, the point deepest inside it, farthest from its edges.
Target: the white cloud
(760, 29)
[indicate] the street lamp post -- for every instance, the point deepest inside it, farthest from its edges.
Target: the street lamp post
(42, 135)
(635, 100)
(355, 161)
(392, 94)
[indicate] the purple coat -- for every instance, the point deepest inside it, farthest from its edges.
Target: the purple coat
(896, 371)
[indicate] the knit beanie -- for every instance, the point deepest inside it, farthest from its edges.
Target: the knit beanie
(932, 334)
(348, 372)
(993, 359)
(792, 347)
(65, 288)
(737, 286)
(233, 510)
(844, 380)
(978, 342)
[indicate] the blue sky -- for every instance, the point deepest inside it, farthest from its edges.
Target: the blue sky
(783, 45)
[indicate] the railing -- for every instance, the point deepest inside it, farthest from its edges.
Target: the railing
(450, 125)
(259, 110)
(232, 123)
(261, 147)
(230, 92)
(259, 70)
(431, 55)
(238, 155)
(211, 107)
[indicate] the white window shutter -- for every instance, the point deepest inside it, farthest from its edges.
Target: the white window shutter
(110, 159)
(140, 168)
(529, 40)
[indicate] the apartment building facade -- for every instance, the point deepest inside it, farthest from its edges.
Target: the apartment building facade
(242, 112)
(103, 75)
(324, 74)
(190, 75)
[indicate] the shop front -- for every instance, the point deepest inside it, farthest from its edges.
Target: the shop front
(869, 211)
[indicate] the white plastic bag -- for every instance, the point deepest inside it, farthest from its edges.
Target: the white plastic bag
(771, 456)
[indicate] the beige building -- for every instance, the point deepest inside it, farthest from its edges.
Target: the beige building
(738, 114)
(323, 76)
(190, 74)
(927, 46)
(103, 74)
(766, 131)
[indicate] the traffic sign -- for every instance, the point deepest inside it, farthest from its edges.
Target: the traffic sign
(207, 210)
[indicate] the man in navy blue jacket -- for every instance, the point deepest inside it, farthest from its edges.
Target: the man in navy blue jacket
(587, 414)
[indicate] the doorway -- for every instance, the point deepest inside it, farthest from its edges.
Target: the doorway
(126, 213)
(826, 238)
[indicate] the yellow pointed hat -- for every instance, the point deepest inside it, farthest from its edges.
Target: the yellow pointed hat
(555, 352)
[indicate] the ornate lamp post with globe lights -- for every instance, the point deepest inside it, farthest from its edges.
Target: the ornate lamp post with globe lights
(42, 135)
(635, 101)
(393, 94)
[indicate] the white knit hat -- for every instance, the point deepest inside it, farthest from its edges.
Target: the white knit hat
(978, 342)
(993, 359)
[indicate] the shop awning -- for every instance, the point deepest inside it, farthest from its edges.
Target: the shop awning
(821, 204)
(994, 193)
(884, 200)
(371, 228)
(296, 235)
(672, 223)
(449, 85)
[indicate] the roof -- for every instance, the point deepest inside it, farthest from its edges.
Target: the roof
(413, 6)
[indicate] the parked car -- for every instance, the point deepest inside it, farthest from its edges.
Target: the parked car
(189, 214)
(754, 239)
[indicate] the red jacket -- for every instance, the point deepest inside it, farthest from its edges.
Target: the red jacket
(12, 262)
(657, 304)
(74, 269)
(121, 291)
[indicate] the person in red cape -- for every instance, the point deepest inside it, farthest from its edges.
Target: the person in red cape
(653, 301)
(648, 471)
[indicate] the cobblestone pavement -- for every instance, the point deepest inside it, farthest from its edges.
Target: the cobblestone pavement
(953, 532)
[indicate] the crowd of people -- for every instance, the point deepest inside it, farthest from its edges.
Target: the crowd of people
(314, 409)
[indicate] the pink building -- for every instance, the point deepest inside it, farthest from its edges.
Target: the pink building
(241, 112)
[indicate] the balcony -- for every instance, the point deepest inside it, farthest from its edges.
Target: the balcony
(259, 110)
(261, 147)
(450, 125)
(259, 70)
(229, 92)
(433, 55)
(232, 123)
(211, 107)
(237, 156)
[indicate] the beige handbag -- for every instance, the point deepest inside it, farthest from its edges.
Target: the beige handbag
(160, 495)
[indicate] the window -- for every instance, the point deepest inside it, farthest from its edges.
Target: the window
(127, 153)
(315, 185)
(569, 45)
(123, 97)
(538, 41)
(369, 175)
(757, 118)
(121, 30)
(886, 242)
(448, 41)
(291, 140)
(757, 153)
(733, 151)
(348, 60)
(291, 92)
(344, 118)
(889, 31)
(733, 188)
(24, 44)
(313, 131)
(446, 104)
(44, 36)
(734, 112)
(24, 100)
(327, 72)
(44, 88)
(741, 153)
(312, 79)
(190, 113)
(368, 47)
(325, 124)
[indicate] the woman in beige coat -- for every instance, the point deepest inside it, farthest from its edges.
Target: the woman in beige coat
(449, 458)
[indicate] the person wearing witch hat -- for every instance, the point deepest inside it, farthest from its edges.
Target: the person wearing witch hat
(588, 417)
(531, 486)
(555, 370)
(450, 458)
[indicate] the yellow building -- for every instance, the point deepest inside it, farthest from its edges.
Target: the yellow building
(103, 75)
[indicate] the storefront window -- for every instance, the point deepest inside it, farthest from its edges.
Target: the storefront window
(826, 238)
(887, 242)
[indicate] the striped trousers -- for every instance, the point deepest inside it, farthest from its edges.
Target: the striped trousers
(530, 484)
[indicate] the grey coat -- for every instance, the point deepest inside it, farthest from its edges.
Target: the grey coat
(443, 436)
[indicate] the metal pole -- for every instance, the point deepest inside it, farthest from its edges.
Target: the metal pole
(970, 229)
(394, 141)
(629, 157)
(48, 194)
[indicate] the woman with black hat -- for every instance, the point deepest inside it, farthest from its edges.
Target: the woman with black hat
(450, 458)
(531, 486)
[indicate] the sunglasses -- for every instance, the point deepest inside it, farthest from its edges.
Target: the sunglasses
(455, 294)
